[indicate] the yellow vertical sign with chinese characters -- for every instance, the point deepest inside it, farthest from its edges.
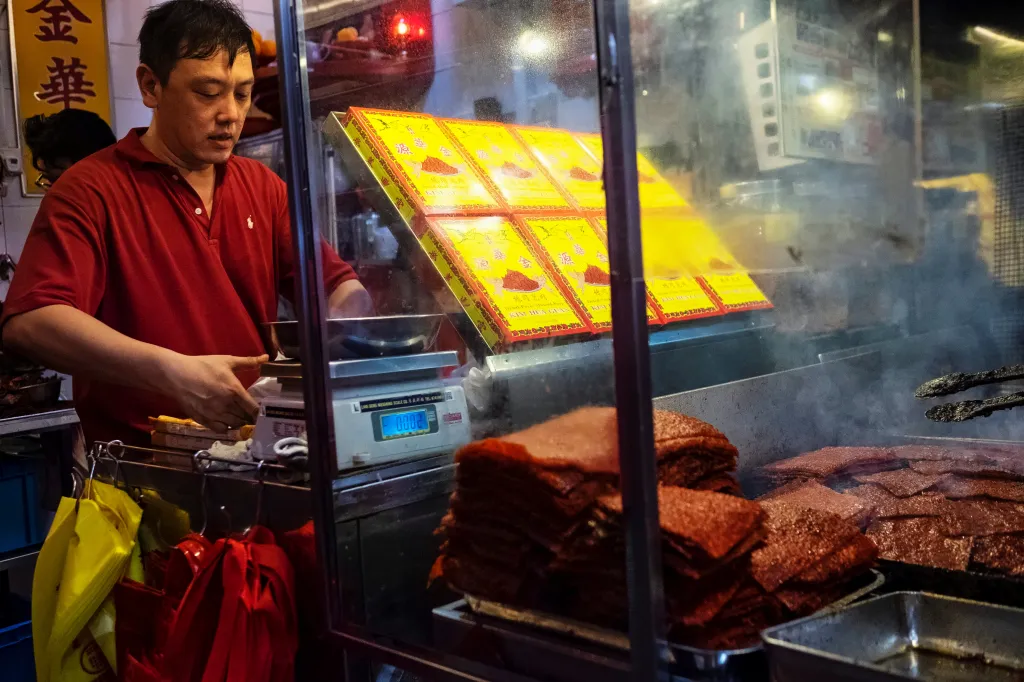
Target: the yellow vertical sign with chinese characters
(59, 51)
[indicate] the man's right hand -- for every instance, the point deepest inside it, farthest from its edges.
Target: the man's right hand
(208, 390)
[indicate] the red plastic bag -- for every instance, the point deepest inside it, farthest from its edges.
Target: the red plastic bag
(236, 622)
(149, 610)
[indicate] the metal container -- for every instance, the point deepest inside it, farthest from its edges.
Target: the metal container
(521, 631)
(901, 636)
(362, 337)
(991, 588)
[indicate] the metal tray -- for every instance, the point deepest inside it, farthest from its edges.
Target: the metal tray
(724, 665)
(901, 636)
(361, 337)
(991, 588)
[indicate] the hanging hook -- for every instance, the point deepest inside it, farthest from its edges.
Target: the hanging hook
(77, 484)
(196, 459)
(117, 459)
(259, 497)
(87, 485)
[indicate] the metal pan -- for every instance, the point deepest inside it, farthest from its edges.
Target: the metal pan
(991, 588)
(704, 665)
(361, 337)
(901, 636)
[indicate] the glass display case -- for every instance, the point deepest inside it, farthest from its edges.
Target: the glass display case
(776, 217)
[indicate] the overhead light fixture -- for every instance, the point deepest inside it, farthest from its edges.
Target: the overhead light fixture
(884, 37)
(533, 44)
(980, 35)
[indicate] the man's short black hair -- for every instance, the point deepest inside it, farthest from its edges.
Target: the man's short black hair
(71, 134)
(192, 29)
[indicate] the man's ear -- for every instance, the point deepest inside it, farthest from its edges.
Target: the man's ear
(149, 86)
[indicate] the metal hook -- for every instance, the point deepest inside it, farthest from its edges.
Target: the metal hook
(260, 485)
(196, 459)
(77, 484)
(87, 485)
(117, 459)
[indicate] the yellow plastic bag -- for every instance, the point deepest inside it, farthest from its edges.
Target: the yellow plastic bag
(83, 557)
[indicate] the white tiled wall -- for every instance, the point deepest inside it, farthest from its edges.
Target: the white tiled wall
(124, 18)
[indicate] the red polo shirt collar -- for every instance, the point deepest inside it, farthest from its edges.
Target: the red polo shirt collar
(130, 147)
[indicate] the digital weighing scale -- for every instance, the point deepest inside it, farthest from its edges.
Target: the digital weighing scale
(385, 408)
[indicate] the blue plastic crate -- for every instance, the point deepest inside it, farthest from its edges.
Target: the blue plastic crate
(17, 661)
(22, 522)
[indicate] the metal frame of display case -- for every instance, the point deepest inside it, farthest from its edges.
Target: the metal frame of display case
(631, 352)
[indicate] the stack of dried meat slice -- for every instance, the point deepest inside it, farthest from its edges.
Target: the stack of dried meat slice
(521, 496)
(707, 539)
(537, 522)
(809, 556)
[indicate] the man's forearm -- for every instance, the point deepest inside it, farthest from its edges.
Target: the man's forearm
(350, 299)
(66, 339)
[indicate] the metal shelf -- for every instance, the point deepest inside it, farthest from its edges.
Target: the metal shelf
(38, 421)
(12, 559)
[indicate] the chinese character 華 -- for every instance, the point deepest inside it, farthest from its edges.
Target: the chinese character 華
(67, 83)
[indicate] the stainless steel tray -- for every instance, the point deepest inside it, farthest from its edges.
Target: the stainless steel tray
(901, 636)
(694, 663)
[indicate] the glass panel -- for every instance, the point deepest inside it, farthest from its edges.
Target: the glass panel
(852, 200)
(828, 213)
(459, 172)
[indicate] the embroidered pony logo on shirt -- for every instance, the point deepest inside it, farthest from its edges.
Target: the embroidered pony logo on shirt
(250, 223)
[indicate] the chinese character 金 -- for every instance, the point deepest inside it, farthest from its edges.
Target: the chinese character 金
(67, 83)
(57, 20)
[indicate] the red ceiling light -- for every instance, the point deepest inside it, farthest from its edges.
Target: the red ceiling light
(421, 32)
(402, 28)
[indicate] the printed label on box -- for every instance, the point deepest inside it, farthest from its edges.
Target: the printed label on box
(655, 191)
(571, 166)
(379, 168)
(503, 160)
(674, 245)
(682, 244)
(580, 257)
(737, 291)
(510, 281)
(680, 309)
(441, 258)
(436, 174)
(681, 298)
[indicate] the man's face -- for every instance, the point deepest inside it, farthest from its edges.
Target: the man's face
(200, 111)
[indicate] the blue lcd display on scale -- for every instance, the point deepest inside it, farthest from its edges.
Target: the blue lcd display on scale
(404, 424)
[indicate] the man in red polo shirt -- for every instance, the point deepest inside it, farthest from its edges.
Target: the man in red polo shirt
(152, 264)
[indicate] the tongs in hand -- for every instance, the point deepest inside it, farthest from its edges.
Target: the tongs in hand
(969, 409)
